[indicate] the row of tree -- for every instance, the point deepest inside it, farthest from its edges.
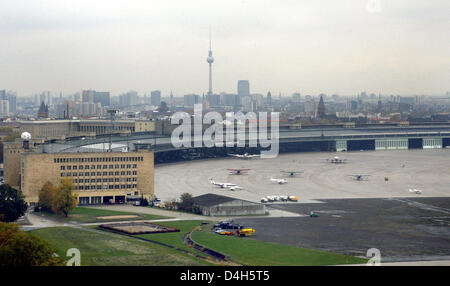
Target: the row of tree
(58, 199)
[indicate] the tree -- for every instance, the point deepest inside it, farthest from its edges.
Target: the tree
(46, 195)
(12, 203)
(18, 248)
(64, 200)
(187, 202)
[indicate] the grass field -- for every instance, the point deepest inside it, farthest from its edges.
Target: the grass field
(89, 215)
(251, 252)
(104, 248)
(99, 248)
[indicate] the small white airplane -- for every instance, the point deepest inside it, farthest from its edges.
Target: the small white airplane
(336, 160)
(291, 173)
(238, 171)
(229, 186)
(279, 181)
(245, 156)
(415, 191)
(359, 177)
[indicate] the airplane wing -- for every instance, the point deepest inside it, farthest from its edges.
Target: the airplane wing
(358, 175)
(235, 155)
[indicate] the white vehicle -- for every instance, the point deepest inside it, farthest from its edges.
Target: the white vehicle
(279, 181)
(230, 186)
(245, 156)
(271, 198)
(284, 198)
(415, 191)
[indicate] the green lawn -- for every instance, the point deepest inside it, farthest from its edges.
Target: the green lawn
(90, 215)
(109, 249)
(251, 252)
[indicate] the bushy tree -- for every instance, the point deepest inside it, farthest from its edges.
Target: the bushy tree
(46, 195)
(12, 203)
(64, 199)
(186, 202)
(18, 248)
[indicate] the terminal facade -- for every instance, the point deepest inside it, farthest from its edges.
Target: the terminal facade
(99, 177)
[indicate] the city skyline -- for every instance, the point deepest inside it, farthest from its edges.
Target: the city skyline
(286, 47)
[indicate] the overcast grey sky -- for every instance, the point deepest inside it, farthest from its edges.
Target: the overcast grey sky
(330, 46)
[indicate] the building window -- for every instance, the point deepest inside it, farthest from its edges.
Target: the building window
(63, 174)
(63, 168)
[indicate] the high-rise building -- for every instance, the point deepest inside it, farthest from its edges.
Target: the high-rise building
(4, 108)
(243, 89)
(296, 97)
(128, 99)
(102, 97)
(191, 99)
(155, 98)
(87, 96)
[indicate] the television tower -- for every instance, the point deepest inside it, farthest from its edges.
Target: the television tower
(210, 60)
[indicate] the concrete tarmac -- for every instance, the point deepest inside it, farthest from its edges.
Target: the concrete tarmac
(426, 170)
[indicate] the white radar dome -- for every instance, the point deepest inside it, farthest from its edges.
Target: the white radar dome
(25, 136)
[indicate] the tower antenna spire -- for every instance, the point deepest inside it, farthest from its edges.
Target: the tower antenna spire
(210, 60)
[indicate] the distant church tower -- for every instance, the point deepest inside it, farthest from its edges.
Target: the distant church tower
(43, 111)
(321, 109)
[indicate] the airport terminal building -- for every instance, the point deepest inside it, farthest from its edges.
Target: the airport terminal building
(99, 177)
